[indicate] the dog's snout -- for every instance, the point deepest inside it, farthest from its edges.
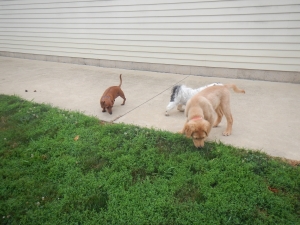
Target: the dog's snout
(198, 143)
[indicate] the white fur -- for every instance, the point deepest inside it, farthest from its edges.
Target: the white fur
(184, 94)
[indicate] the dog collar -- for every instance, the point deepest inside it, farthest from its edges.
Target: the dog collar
(197, 118)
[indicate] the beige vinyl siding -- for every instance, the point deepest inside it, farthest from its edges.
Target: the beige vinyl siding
(256, 34)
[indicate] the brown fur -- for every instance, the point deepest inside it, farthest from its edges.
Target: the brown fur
(108, 98)
(200, 112)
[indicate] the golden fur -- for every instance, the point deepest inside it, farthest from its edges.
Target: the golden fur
(200, 112)
(108, 98)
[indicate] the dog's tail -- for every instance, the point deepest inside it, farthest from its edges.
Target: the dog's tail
(120, 80)
(174, 92)
(235, 88)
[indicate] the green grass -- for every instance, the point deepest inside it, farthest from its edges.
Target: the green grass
(124, 174)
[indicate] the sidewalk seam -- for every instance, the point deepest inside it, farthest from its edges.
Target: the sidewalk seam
(149, 99)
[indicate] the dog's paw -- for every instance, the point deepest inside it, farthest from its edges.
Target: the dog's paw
(167, 114)
(226, 133)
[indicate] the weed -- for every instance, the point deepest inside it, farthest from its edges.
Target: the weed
(62, 167)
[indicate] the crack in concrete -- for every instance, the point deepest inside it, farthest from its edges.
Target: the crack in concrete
(149, 99)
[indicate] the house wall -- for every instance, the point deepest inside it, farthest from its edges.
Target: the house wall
(255, 39)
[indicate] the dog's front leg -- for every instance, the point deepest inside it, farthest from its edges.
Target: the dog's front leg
(219, 118)
(170, 106)
(102, 104)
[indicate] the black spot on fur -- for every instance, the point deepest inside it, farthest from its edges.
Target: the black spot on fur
(174, 92)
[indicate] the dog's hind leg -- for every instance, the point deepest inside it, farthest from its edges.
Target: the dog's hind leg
(173, 101)
(179, 107)
(228, 115)
(121, 94)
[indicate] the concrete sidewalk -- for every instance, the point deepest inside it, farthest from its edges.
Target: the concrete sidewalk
(265, 118)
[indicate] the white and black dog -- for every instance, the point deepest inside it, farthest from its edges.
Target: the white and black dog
(181, 94)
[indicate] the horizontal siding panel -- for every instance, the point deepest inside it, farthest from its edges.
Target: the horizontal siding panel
(141, 43)
(259, 66)
(95, 12)
(31, 23)
(172, 50)
(159, 55)
(153, 5)
(232, 39)
(175, 19)
(162, 32)
(103, 2)
(158, 11)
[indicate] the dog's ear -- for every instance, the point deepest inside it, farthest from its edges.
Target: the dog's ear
(207, 127)
(188, 129)
(110, 103)
(102, 103)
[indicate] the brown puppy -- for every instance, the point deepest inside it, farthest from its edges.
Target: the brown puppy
(108, 98)
(200, 112)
